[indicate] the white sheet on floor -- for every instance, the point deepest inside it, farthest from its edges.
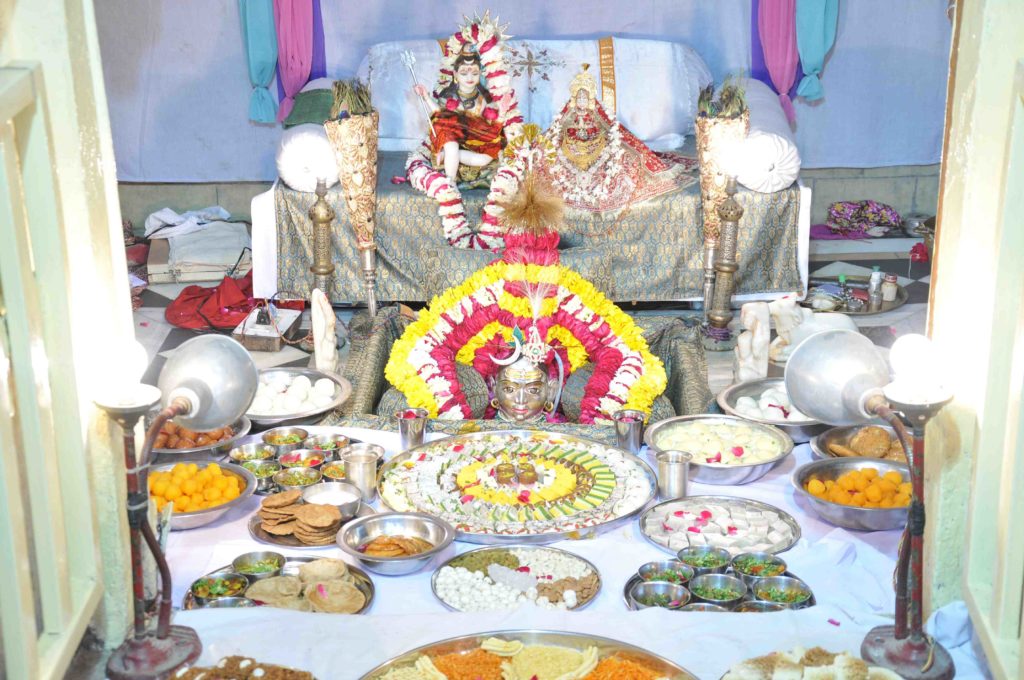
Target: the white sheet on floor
(165, 223)
(217, 244)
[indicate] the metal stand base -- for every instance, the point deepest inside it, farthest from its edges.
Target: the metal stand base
(908, 658)
(151, 657)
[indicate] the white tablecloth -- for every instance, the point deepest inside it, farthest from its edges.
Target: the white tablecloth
(849, 572)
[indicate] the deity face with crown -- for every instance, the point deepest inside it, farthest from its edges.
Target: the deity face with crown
(523, 393)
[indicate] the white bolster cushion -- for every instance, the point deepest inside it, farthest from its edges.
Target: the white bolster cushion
(768, 160)
(305, 155)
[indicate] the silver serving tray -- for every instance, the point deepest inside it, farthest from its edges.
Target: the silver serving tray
(635, 578)
(799, 431)
(578, 641)
(181, 521)
(535, 539)
(719, 473)
(241, 428)
(258, 534)
(860, 282)
(342, 393)
(724, 500)
(291, 568)
(565, 553)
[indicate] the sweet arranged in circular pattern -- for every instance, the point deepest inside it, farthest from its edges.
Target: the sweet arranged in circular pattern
(517, 484)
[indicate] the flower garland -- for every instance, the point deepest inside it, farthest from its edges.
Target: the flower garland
(575, 185)
(488, 37)
(582, 319)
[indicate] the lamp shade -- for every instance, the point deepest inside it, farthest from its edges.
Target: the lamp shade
(831, 374)
(216, 375)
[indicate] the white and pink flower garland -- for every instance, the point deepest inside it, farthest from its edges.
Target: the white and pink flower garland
(488, 38)
(591, 186)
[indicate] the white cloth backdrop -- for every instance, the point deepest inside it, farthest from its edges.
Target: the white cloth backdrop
(850, 573)
(178, 88)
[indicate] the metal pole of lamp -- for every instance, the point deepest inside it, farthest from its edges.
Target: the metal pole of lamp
(207, 383)
(838, 377)
(368, 258)
(322, 215)
(725, 265)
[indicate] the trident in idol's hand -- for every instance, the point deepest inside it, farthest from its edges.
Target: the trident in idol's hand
(409, 59)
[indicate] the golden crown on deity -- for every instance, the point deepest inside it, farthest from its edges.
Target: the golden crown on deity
(584, 80)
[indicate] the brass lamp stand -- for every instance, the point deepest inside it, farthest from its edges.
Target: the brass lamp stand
(322, 216)
(720, 277)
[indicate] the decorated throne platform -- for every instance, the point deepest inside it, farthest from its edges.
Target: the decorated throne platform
(649, 251)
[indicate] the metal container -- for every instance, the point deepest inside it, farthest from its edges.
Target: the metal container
(749, 579)
(313, 477)
(717, 473)
(360, 462)
(333, 442)
(334, 470)
(342, 391)
(662, 668)
(725, 581)
(701, 551)
(799, 431)
(842, 436)
(751, 606)
(252, 452)
(651, 570)
(205, 601)
(240, 428)
(284, 432)
(678, 595)
(564, 553)
(412, 423)
(850, 516)
(303, 458)
(199, 518)
(263, 471)
(673, 474)
(230, 603)
(334, 493)
(787, 584)
(239, 564)
(361, 531)
(629, 429)
(703, 607)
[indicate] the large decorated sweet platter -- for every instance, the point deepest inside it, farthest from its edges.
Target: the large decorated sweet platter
(519, 486)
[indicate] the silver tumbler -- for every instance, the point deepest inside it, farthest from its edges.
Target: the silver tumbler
(411, 424)
(629, 429)
(673, 474)
(360, 461)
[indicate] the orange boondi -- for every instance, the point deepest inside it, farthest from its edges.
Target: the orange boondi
(476, 665)
(614, 668)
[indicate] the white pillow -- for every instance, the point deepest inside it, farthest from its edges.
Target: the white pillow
(305, 155)
(658, 104)
(768, 159)
(318, 84)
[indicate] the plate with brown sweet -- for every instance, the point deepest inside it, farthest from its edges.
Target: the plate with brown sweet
(859, 441)
(284, 520)
(175, 439)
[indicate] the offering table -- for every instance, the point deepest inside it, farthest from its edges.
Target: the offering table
(849, 572)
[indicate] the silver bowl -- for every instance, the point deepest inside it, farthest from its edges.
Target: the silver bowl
(303, 458)
(717, 473)
(342, 391)
(726, 581)
(700, 551)
(678, 595)
(850, 516)
(285, 431)
(240, 427)
(842, 436)
(799, 431)
(252, 452)
(787, 584)
(263, 471)
(205, 601)
(239, 564)
(703, 607)
(230, 603)
(313, 475)
(333, 471)
(750, 578)
(332, 493)
(651, 570)
(759, 607)
(364, 529)
(199, 518)
(339, 442)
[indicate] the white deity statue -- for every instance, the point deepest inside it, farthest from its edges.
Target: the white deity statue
(793, 323)
(325, 339)
(752, 344)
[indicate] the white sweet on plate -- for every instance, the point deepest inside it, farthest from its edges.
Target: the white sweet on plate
(736, 527)
(721, 443)
(279, 394)
(772, 404)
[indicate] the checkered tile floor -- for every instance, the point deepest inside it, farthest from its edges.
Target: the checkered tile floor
(916, 278)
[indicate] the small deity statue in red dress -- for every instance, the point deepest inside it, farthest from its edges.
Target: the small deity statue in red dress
(465, 127)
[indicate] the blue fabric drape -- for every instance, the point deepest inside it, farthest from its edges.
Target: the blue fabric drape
(815, 35)
(261, 53)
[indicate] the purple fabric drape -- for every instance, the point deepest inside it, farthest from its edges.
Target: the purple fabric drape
(776, 22)
(294, 22)
(758, 70)
(319, 65)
